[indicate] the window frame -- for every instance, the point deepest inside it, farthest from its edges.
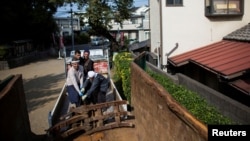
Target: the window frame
(175, 3)
(210, 8)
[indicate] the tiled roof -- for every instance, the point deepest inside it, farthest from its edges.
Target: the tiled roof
(226, 58)
(242, 84)
(242, 34)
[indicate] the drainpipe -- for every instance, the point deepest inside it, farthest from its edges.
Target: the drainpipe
(160, 45)
(170, 52)
(158, 55)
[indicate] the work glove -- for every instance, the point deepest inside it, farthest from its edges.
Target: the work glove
(82, 90)
(80, 94)
(84, 97)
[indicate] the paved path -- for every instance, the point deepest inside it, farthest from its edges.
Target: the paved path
(43, 81)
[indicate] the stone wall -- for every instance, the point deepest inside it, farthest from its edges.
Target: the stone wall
(23, 60)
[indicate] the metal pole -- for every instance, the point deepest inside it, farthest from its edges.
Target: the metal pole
(158, 55)
(72, 29)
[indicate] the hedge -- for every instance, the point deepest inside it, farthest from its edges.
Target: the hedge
(195, 104)
(191, 101)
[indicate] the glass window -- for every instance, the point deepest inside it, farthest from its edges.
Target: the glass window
(174, 2)
(134, 21)
(224, 7)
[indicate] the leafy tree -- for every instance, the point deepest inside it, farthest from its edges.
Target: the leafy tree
(100, 13)
(27, 19)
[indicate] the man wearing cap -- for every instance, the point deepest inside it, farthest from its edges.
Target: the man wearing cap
(98, 88)
(74, 82)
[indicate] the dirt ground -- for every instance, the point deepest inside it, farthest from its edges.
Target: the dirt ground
(43, 81)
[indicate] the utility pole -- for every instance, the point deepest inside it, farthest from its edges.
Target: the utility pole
(72, 29)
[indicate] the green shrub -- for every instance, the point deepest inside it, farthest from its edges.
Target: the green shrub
(122, 72)
(83, 38)
(191, 101)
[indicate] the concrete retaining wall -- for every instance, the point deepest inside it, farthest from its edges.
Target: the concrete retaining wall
(157, 115)
(227, 106)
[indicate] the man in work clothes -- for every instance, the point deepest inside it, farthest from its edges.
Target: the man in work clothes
(98, 87)
(74, 82)
(88, 64)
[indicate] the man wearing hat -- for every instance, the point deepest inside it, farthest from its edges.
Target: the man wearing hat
(74, 82)
(98, 89)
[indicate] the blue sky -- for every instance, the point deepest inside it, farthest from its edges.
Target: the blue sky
(138, 3)
(62, 11)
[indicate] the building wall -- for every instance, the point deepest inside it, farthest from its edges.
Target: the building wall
(136, 27)
(65, 24)
(188, 26)
(154, 24)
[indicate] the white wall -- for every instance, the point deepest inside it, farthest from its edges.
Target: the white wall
(190, 28)
(154, 23)
(138, 30)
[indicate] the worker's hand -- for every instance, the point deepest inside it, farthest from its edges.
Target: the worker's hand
(82, 90)
(81, 94)
(84, 97)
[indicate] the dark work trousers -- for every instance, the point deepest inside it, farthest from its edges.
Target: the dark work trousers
(101, 98)
(73, 95)
(97, 97)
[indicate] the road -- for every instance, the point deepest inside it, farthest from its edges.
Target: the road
(42, 81)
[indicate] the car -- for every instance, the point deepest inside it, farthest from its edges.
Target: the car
(132, 41)
(97, 41)
(106, 41)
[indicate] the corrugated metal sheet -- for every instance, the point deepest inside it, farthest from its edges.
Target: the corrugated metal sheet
(242, 85)
(227, 58)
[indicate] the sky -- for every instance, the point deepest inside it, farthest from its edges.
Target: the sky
(138, 3)
(64, 11)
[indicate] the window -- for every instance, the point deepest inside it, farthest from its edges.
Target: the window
(134, 21)
(224, 7)
(174, 2)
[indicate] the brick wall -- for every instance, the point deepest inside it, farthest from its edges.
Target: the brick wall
(157, 115)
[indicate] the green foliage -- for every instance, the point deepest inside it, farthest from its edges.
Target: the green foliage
(100, 13)
(192, 101)
(2, 52)
(83, 38)
(27, 20)
(122, 72)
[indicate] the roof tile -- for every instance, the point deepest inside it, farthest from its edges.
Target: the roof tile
(242, 34)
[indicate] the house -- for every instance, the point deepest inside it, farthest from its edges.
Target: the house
(223, 66)
(193, 23)
(66, 24)
(137, 27)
